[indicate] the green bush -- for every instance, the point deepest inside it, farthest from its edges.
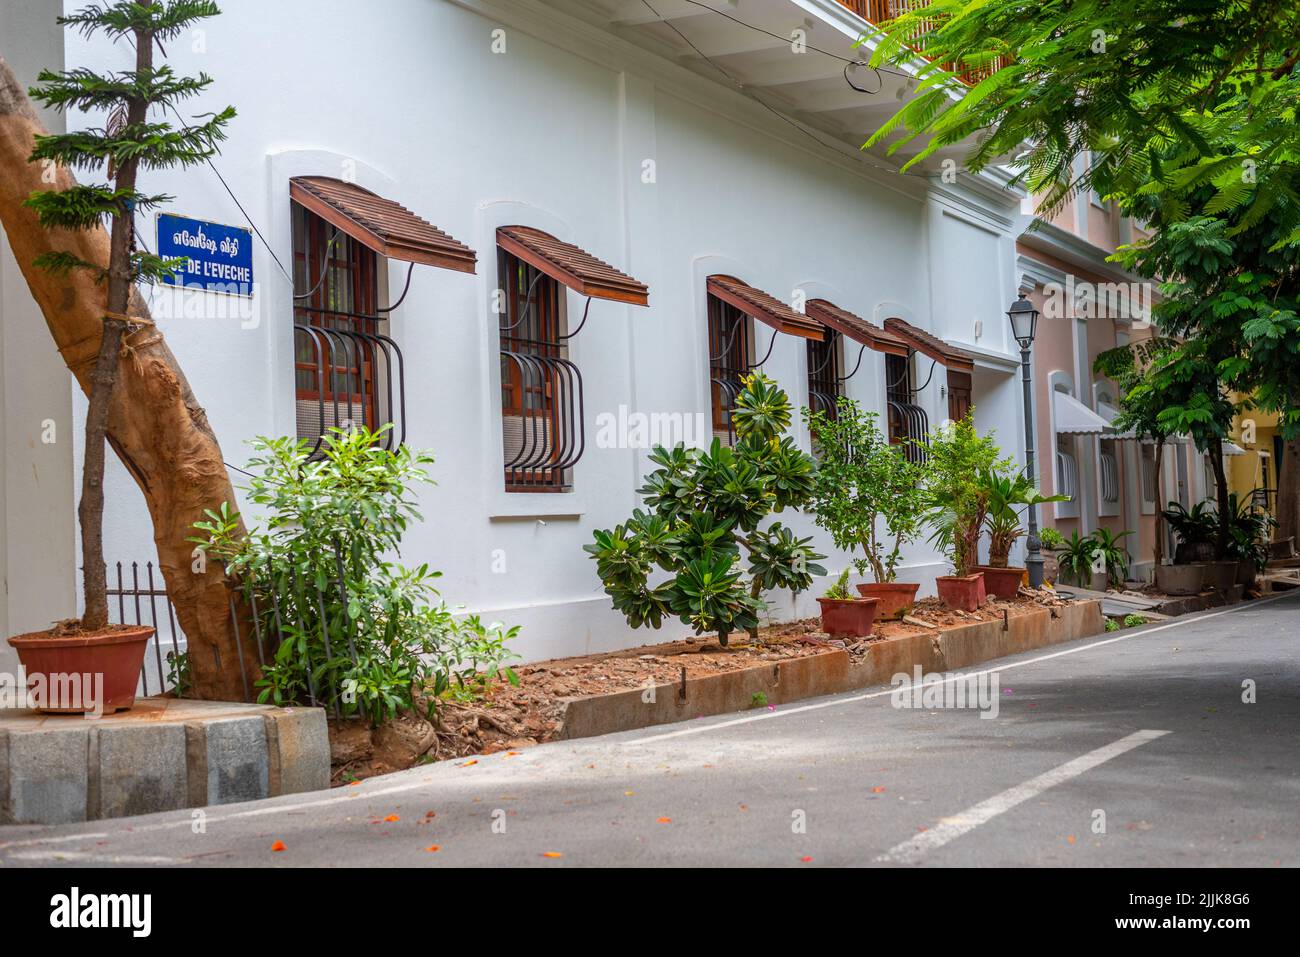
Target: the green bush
(356, 631)
(702, 508)
(958, 502)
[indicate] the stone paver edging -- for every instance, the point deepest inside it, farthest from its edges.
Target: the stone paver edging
(163, 755)
(831, 672)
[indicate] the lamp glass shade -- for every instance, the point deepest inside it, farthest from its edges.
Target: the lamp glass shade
(1024, 321)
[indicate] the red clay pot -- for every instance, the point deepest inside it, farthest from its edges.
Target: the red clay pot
(848, 618)
(116, 655)
(963, 593)
(1003, 582)
(896, 598)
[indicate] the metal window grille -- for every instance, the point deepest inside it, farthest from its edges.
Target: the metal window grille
(1149, 489)
(1109, 477)
(908, 423)
(729, 361)
(825, 358)
(541, 390)
(1067, 475)
(347, 371)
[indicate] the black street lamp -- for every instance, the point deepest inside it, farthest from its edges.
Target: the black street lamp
(1024, 323)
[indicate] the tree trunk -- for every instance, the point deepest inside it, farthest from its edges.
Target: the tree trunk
(154, 422)
(1221, 500)
(1288, 492)
(1158, 552)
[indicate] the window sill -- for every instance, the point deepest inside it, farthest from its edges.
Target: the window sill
(517, 506)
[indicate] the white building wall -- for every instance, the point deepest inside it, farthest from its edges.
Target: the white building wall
(409, 97)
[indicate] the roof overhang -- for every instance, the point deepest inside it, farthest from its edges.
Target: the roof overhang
(571, 265)
(764, 307)
(931, 346)
(855, 327)
(389, 228)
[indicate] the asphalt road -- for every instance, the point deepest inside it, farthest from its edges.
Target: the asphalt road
(1143, 732)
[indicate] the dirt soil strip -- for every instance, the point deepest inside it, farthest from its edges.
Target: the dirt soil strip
(656, 684)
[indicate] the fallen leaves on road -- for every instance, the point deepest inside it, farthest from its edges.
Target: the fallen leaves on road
(278, 846)
(877, 790)
(551, 854)
(665, 820)
(433, 848)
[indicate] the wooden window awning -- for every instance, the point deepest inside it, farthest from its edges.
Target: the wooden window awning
(576, 268)
(388, 228)
(764, 307)
(957, 360)
(856, 328)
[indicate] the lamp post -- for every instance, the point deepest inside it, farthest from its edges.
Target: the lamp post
(1024, 323)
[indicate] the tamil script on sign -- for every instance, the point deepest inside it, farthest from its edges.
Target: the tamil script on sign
(217, 258)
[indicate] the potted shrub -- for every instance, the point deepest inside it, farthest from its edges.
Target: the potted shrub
(90, 646)
(867, 496)
(1197, 530)
(1076, 560)
(1248, 541)
(1111, 556)
(846, 616)
(1008, 495)
(957, 505)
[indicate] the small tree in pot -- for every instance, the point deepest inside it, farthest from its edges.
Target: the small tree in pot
(958, 503)
(864, 483)
(1008, 495)
(130, 142)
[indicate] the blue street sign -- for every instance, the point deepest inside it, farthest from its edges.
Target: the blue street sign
(217, 258)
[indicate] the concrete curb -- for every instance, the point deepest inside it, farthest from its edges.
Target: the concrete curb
(62, 770)
(830, 672)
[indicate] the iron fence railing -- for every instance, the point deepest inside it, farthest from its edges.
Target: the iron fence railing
(133, 601)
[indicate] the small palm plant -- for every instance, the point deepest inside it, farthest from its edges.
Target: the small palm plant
(1076, 558)
(1112, 555)
(1008, 497)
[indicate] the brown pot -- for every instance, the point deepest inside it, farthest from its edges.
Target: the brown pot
(1246, 572)
(896, 598)
(111, 660)
(1221, 576)
(848, 618)
(965, 593)
(1003, 582)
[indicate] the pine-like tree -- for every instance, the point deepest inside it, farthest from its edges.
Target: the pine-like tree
(135, 137)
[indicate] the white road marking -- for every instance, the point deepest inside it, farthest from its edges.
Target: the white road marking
(950, 828)
(361, 793)
(816, 706)
(90, 858)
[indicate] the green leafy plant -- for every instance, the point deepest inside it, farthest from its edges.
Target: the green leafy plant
(864, 482)
(1195, 529)
(356, 631)
(1249, 532)
(1134, 621)
(178, 672)
(1051, 539)
(1111, 554)
(1007, 495)
(1112, 624)
(1077, 556)
(839, 589)
(702, 507)
(957, 502)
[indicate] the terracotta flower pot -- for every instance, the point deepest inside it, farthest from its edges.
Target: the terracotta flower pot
(896, 598)
(1003, 582)
(848, 618)
(75, 675)
(965, 593)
